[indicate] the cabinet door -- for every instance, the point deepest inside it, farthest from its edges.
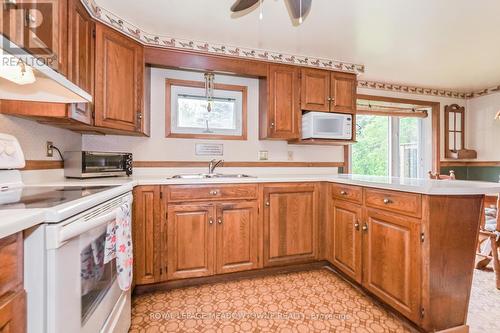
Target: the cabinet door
(13, 313)
(343, 93)
(290, 224)
(345, 235)
(81, 55)
(315, 92)
(190, 241)
(392, 261)
(237, 237)
(147, 234)
(119, 79)
(283, 102)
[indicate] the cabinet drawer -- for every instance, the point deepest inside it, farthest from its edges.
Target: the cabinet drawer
(212, 192)
(399, 202)
(347, 192)
(11, 257)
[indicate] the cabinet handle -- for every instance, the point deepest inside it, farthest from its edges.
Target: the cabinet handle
(387, 201)
(343, 192)
(219, 220)
(356, 225)
(268, 204)
(213, 192)
(365, 227)
(211, 221)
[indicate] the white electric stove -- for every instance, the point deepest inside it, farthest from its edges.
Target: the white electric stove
(68, 286)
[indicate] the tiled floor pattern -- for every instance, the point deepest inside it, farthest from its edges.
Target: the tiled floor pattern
(484, 308)
(312, 301)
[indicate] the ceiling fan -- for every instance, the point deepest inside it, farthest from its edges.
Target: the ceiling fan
(298, 8)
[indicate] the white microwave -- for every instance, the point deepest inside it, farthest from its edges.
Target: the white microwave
(323, 125)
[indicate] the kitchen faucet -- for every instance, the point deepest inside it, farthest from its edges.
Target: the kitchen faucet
(214, 164)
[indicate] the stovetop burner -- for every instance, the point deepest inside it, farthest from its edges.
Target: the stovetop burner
(45, 196)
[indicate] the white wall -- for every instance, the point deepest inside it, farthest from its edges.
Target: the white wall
(34, 136)
(482, 130)
(159, 148)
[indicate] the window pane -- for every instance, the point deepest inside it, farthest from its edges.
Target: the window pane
(408, 147)
(451, 121)
(458, 136)
(458, 121)
(192, 112)
(451, 140)
(370, 155)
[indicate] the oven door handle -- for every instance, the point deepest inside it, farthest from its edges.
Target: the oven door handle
(81, 226)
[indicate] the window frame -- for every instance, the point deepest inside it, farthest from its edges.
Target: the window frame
(458, 112)
(200, 84)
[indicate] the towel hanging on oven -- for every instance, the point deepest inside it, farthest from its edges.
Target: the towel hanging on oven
(119, 245)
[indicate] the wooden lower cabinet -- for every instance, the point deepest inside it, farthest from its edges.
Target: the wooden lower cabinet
(13, 313)
(343, 227)
(237, 241)
(392, 260)
(146, 233)
(190, 240)
(290, 223)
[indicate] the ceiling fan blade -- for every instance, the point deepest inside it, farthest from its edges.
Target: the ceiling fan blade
(242, 5)
(295, 7)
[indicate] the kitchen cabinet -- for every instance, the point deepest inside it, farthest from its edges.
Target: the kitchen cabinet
(81, 55)
(327, 91)
(237, 239)
(147, 235)
(392, 260)
(290, 223)
(190, 240)
(119, 82)
(40, 28)
(12, 294)
(344, 232)
(279, 99)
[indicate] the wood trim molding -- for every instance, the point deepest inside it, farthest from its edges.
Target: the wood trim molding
(43, 165)
(199, 84)
(236, 164)
(448, 163)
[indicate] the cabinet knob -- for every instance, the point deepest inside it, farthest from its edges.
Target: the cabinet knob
(213, 192)
(219, 220)
(211, 221)
(365, 227)
(272, 125)
(387, 201)
(356, 226)
(268, 204)
(343, 192)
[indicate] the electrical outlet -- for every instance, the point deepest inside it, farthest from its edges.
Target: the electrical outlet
(263, 155)
(290, 155)
(50, 150)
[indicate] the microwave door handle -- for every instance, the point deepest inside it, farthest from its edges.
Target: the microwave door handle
(81, 226)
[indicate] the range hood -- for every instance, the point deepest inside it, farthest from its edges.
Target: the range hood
(48, 85)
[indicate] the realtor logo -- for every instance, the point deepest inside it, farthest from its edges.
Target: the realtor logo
(29, 25)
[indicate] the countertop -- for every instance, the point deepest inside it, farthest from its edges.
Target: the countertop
(13, 221)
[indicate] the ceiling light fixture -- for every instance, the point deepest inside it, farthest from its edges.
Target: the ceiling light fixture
(261, 14)
(298, 8)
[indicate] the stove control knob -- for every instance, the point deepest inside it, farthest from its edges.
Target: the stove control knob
(10, 150)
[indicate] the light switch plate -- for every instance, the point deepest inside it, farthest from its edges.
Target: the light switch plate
(263, 155)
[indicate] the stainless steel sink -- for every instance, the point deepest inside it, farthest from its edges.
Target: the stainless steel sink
(209, 176)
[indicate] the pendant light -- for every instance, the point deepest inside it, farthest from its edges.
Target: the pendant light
(261, 15)
(300, 18)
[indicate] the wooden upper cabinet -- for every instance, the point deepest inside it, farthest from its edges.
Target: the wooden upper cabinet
(147, 235)
(81, 55)
(280, 103)
(315, 93)
(190, 240)
(344, 233)
(119, 81)
(327, 91)
(237, 246)
(343, 92)
(290, 224)
(392, 260)
(38, 26)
